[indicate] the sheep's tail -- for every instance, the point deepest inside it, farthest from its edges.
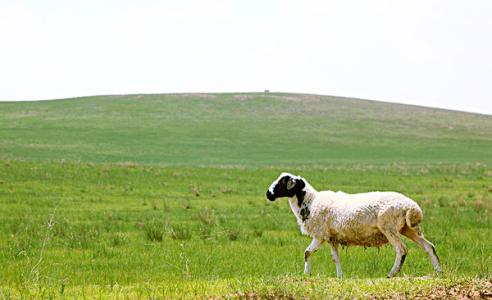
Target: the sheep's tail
(413, 217)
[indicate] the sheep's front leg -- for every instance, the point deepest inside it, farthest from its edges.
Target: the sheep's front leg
(336, 259)
(315, 244)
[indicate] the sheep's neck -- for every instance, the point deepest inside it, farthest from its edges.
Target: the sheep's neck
(309, 196)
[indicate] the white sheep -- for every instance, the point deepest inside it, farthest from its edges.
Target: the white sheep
(366, 219)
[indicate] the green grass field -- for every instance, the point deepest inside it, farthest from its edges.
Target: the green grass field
(162, 196)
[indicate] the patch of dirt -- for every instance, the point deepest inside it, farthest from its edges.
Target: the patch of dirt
(199, 95)
(297, 98)
(287, 98)
(477, 289)
(471, 290)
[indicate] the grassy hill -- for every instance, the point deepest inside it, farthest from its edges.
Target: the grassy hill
(240, 129)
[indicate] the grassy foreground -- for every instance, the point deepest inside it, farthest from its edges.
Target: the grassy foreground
(162, 196)
(143, 231)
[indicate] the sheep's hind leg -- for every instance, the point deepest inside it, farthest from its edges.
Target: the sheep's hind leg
(315, 244)
(401, 250)
(336, 259)
(428, 247)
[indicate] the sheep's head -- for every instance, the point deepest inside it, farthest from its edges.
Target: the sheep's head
(286, 185)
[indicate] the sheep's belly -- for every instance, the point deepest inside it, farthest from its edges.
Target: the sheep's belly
(371, 239)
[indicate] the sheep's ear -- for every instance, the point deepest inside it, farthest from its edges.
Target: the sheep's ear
(291, 184)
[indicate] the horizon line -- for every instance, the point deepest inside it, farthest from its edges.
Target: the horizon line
(266, 91)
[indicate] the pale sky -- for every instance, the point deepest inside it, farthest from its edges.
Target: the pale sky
(432, 53)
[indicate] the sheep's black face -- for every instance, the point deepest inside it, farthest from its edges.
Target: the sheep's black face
(287, 185)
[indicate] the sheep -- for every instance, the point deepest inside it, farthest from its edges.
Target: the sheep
(366, 219)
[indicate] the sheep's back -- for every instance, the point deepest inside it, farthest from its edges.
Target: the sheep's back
(353, 218)
(372, 201)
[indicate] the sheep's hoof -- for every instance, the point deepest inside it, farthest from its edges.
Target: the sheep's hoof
(306, 269)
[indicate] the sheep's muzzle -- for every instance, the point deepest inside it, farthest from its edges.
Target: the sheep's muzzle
(270, 196)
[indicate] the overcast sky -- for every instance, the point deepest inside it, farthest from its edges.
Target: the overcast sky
(432, 53)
